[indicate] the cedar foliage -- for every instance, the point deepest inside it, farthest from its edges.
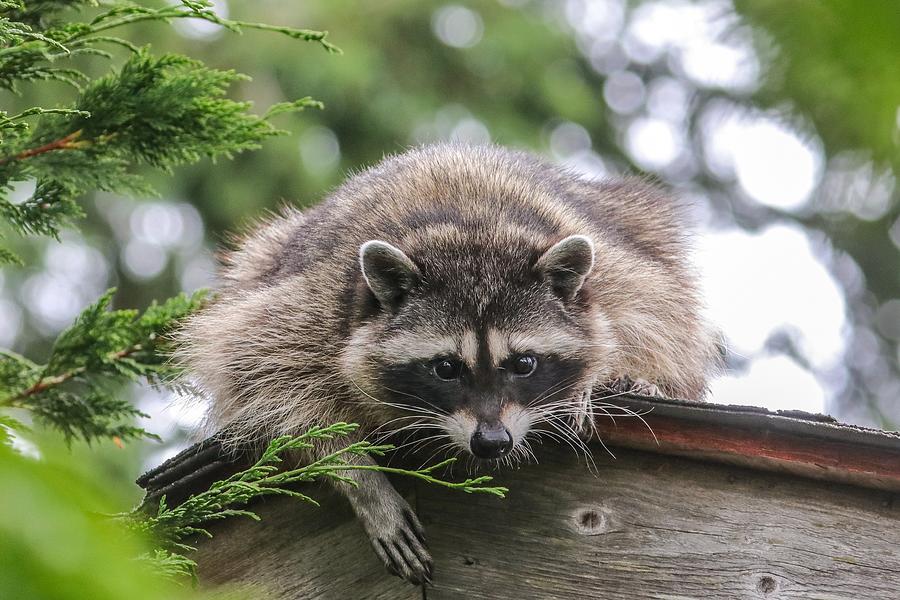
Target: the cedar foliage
(173, 527)
(72, 391)
(160, 112)
(150, 112)
(156, 112)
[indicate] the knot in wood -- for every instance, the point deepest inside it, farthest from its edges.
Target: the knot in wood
(591, 520)
(766, 585)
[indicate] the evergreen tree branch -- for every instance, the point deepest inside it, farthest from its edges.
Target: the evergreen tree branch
(68, 142)
(55, 380)
(74, 392)
(202, 9)
(126, 119)
(170, 527)
(159, 112)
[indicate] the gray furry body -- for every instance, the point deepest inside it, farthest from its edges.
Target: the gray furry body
(471, 292)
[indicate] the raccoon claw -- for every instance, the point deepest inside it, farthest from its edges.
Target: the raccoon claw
(401, 548)
(636, 386)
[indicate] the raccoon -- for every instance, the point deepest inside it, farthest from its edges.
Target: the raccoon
(474, 293)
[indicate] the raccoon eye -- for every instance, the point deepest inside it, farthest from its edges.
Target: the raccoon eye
(524, 365)
(446, 368)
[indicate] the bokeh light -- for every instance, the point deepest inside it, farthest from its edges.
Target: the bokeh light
(457, 26)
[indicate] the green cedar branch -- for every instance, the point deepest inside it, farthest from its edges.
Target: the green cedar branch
(74, 391)
(127, 119)
(201, 9)
(170, 526)
(8, 257)
(68, 142)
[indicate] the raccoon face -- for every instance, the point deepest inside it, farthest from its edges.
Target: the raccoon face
(480, 349)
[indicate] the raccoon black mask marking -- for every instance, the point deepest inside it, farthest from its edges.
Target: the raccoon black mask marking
(472, 294)
(466, 376)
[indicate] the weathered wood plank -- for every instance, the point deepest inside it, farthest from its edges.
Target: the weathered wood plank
(299, 551)
(649, 526)
(662, 527)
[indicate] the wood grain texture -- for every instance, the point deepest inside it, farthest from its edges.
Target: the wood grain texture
(648, 526)
(298, 551)
(658, 527)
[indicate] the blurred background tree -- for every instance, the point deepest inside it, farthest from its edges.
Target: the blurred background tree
(779, 120)
(57, 536)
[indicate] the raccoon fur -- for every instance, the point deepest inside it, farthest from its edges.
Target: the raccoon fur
(477, 293)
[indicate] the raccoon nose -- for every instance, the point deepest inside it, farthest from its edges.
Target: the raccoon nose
(491, 441)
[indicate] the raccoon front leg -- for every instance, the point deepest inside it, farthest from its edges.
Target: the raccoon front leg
(395, 532)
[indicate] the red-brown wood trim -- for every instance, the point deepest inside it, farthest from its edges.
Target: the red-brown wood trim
(832, 460)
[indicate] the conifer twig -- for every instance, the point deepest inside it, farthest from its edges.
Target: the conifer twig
(172, 526)
(64, 143)
(54, 380)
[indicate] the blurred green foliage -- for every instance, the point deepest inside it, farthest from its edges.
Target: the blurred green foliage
(837, 62)
(57, 543)
(75, 392)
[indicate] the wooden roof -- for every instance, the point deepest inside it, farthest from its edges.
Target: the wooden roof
(795, 442)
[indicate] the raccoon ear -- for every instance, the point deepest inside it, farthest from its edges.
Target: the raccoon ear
(567, 263)
(388, 272)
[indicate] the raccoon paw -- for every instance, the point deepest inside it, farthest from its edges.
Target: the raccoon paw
(399, 541)
(635, 386)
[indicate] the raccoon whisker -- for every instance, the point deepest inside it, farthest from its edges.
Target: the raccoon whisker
(540, 433)
(626, 409)
(527, 449)
(543, 395)
(551, 416)
(423, 421)
(605, 447)
(419, 398)
(422, 442)
(602, 409)
(420, 410)
(637, 415)
(563, 403)
(515, 458)
(447, 446)
(394, 420)
(559, 408)
(566, 400)
(411, 431)
(615, 395)
(511, 459)
(471, 466)
(556, 384)
(523, 451)
(563, 436)
(414, 429)
(579, 446)
(405, 407)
